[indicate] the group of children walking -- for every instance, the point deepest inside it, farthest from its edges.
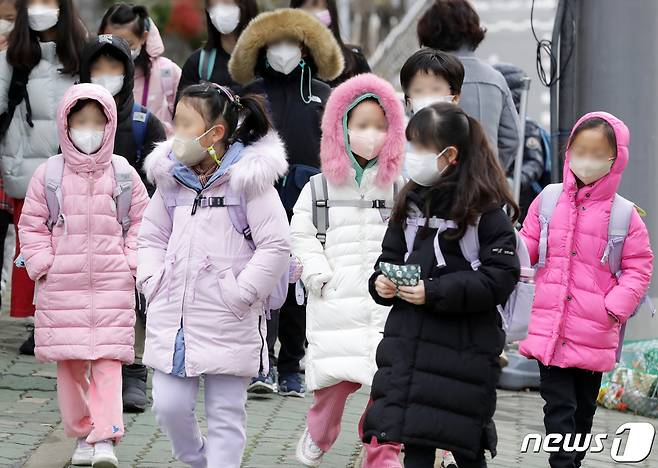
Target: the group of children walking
(239, 194)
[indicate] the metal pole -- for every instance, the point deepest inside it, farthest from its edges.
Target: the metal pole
(617, 66)
(518, 163)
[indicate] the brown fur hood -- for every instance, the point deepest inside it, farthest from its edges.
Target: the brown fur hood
(284, 23)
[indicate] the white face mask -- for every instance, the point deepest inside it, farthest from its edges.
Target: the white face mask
(422, 167)
(113, 83)
(284, 57)
(189, 150)
(87, 141)
(419, 103)
(42, 18)
(6, 27)
(589, 170)
(225, 17)
(134, 53)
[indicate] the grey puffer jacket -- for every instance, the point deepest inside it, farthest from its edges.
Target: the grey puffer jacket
(486, 97)
(24, 148)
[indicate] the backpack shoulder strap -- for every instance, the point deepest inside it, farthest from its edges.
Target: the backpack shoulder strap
(16, 93)
(237, 211)
(53, 185)
(167, 79)
(618, 226)
(319, 195)
(140, 120)
(470, 245)
(547, 203)
(123, 193)
(207, 64)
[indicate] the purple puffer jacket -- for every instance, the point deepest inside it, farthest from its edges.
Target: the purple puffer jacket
(198, 271)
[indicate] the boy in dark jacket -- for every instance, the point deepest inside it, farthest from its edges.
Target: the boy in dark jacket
(106, 61)
(287, 48)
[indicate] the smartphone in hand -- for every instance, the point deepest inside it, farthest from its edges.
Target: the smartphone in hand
(401, 275)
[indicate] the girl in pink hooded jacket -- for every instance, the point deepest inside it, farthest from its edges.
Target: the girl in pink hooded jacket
(156, 77)
(84, 268)
(205, 282)
(580, 305)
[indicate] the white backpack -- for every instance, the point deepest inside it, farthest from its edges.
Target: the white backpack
(516, 312)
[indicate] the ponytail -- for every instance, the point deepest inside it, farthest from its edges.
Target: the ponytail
(477, 183)
(125, 13)
(255, 121)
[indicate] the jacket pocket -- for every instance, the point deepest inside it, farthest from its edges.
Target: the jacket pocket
(152, 285)
(229, 290)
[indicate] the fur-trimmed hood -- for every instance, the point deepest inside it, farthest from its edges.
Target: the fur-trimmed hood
(258, 166)
(285, 23)
(336, 163)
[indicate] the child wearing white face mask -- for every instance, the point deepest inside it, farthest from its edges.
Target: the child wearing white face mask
(78, 218)
(7, 21)
(288, 49)
(337, 228)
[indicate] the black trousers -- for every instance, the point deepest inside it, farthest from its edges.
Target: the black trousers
(416, 456)
(289, 325)
(570, 395)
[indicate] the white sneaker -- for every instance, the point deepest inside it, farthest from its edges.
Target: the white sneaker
(84, 453)
(308, 454)
(448, 460)
(104, 456)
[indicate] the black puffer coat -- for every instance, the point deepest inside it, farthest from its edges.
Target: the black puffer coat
(438, 363)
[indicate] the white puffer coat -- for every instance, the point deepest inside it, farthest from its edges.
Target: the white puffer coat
(25, 148)
(344, 325)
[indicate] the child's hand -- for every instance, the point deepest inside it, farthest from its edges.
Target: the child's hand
(413, 294)
(385, 287)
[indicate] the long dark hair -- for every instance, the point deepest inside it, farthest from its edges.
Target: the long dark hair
(248, 11)
(24, 51)
(122, 14)
(477, 181)
(245, 116)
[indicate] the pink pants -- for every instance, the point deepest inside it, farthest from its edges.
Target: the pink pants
(324, 420)
(89, 396)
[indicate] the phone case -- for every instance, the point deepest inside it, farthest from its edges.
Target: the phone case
(401, 275)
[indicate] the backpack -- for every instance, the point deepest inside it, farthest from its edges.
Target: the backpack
(516, 312)
(321, 204)
(618, 226)
(237, 210)
(207, 64)
(545, 178)
(123, 174)
(16, 93)
(140, 120)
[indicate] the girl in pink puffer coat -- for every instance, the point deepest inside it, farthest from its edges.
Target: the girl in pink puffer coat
(84, 270)
(205, 283)
(580, 305)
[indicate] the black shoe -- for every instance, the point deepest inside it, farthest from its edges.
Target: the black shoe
(134, 388)
(27, 348)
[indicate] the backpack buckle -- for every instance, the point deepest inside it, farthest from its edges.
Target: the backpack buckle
(216, 202)
(379, 204)
(247, 233)
(321, 203)
(321, 237)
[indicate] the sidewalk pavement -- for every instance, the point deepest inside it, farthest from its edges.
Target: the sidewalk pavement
(30, 434)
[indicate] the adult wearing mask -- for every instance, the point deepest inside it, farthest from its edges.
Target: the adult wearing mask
(327, 12)
(454, 26)
(225, 19)
(44, 52)
(289, 48)
(156, 77)
(106, 61)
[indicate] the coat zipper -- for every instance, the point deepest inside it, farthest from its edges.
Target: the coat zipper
(91, 257)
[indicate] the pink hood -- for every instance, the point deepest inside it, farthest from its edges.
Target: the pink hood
(154, 45)
(336, 163)
(75, 159)
(608, 185)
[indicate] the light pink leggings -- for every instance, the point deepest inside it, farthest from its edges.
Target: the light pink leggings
(324, 420)
(89, 397)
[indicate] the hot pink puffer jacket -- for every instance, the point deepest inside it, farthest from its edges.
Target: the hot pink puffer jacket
(84, 269)
(580, 305)
(163, 82)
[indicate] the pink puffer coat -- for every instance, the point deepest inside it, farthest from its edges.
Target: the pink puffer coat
(580, 305)
(197, 271)
(84, 269)
(163, 81)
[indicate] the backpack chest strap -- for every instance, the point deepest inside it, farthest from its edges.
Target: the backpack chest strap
(441, 225)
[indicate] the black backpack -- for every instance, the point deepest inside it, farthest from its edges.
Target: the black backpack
(15, 95)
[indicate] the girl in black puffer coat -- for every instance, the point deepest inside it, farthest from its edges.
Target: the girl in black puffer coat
(438, 361)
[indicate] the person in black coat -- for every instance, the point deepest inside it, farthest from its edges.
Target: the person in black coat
(438, 361)
(104, 53)
(327, 12)
(224, 29)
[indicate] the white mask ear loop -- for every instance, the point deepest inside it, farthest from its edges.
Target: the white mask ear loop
(311, 97)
